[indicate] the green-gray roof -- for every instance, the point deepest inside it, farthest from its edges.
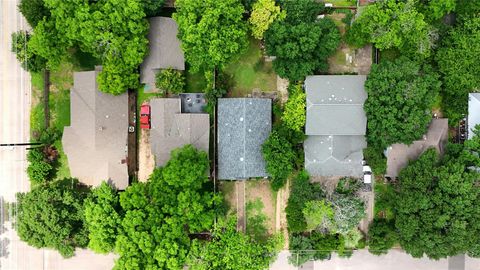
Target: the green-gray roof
(335, 105)
(243, 126)
(336, 125)
(96, 140)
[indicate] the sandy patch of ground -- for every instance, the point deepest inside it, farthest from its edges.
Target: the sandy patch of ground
(261, 189)
(146, 160)
(282, 85)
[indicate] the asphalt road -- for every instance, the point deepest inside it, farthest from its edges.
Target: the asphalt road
(15, 100)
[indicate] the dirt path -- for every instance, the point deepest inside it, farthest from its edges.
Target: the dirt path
(282, 85)
(240, 190)
(280, 214)
(146, 160)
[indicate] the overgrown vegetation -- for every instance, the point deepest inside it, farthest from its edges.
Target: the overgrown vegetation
(170, 81)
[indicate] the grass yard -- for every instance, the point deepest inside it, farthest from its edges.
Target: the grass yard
(342, 3)
(196, 82)
(383, 200)
(227, 188)
(250, 72)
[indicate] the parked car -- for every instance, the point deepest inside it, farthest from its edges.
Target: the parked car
(145, 116)
(367, 174)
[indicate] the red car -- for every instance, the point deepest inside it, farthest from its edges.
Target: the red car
(145, 116)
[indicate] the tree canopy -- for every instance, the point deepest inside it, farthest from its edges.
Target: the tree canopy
(459, 67)
(51, 215)
(27, 58)
(102, 218)
(264, 13)
(231, 250)
(34, 11)
(400, 98)
(436, 205)
(160, 214)
(112, 30)
(381, 236)
(393, 24)
(212, 31)
(300, 42)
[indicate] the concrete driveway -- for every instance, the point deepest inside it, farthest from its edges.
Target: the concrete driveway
(394, 260)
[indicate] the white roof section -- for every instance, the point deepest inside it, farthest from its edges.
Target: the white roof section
(473, 112)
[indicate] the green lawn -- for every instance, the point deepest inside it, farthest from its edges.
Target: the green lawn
(384, 193)
(63, 171)
(196, 82)
(250, 72)
(342, 3)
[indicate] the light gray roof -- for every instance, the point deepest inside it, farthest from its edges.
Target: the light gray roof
(398, 155)
(96, 141)
(243, 126)
(334, 155)
(163, 50)
(335, 105)
(336, 125)
(473, 112)
(172, 129)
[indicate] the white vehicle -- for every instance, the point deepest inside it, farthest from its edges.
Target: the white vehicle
(367, 174)
(328, 5)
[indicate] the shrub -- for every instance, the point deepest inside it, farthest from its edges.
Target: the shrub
(376, 160)
(381, 236)
(294, 115)
(39, 169)
(170, 81)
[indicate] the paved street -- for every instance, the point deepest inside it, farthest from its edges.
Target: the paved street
(394, 260)
(14, 128)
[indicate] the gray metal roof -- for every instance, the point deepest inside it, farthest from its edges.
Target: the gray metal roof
(163, 50)
(334, 155)
(243, 126)
(172, 129)
(398, 155)
(335, 105)
(473, 112)
(96, 141)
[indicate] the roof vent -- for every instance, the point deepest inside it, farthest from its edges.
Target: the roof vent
(249, 130)
(106, 116)
(241, 119)
(241, 159)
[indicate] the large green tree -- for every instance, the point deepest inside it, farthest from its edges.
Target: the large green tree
(400, 98)
(436, 208)
(436, 9)
(212, 31)
(231, 250)
(51, 215)
(27, 58)
(459, 66)
(162, 213)
(393, 24)
(112, 30)
(264, 13)
(294, 114)
(102, 218)
(381, 236)
(34, 11)
(300, 42)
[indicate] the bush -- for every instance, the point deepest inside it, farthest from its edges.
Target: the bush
(170, 81)
(301, 192)
(376, 160)
(381, 236)
(347, 186)
(39, 170)
(27, 58)
(294, 116)
(279, 155)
